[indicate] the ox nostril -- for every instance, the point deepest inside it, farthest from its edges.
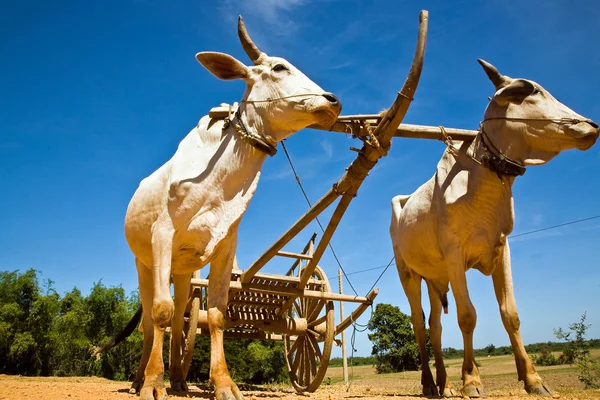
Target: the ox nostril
(332, 99)
(593, 124)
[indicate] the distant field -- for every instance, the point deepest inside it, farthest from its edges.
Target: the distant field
(499, 378)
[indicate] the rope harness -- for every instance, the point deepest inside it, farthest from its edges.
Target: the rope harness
(267, 144)
(493, 158)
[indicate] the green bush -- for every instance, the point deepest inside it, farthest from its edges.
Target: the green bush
(42, 333)
(577, 352)
(546, 358)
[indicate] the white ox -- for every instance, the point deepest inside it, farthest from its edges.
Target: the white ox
(186, 214)
(461, 217)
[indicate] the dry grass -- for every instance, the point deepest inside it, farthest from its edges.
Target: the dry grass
(498, 375)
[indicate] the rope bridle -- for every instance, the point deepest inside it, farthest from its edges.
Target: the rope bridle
(495, 159)
(268, 99)
(267, 144)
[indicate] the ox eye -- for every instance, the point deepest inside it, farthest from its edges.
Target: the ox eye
(537, 91)
(280, 67)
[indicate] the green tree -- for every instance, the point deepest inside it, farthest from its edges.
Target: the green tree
(42, 333)
(394, 343)
(578, 352)
(109, 311)
(69, 340)
(26, 316)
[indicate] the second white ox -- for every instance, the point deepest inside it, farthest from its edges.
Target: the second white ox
(186, 214)
(461, 217)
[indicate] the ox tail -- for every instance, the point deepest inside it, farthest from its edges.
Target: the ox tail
(119, 337)
(398, 202)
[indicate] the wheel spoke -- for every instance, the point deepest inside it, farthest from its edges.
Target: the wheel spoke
(297, 357)
(294, 347)
(315, 346)
(307, 362)
(303, 305)
(298, 309)
(316, 310)
(317, 321)
(300, 363)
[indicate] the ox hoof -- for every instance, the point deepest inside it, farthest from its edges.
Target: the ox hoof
(538, 389)
(179, 386)
(430, 391)
(156, 392)
(228, 393)
(449, 392)
(474, 389)
(135, 387)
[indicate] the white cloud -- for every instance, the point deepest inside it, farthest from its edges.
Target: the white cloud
(273, 12)
(537, 220)
(327, 148)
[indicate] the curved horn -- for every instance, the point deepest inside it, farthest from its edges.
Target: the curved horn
(393, 116)
(247, 43)
(496, 77)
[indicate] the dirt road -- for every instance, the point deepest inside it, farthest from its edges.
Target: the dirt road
(50, 388)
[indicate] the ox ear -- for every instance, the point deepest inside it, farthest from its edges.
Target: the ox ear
(223, 66)
(515, 92)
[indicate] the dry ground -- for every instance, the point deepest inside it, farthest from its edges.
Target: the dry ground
(499, 378)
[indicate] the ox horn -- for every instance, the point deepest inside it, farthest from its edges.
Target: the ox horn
(247, 43)
(496, 77)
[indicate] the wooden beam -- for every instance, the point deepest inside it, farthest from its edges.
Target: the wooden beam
(356, 313)
(298, 256)
(351, 124)
(285, 291)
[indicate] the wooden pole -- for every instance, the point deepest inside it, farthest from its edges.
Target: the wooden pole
(344, 359)
(352, 125)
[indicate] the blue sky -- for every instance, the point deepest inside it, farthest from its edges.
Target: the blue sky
(96, 95)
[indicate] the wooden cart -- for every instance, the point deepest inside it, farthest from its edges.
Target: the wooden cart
(298, 307)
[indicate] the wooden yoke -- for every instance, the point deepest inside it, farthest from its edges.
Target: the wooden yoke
(376, 145)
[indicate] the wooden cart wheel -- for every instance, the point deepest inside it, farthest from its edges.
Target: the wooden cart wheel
(307, 357)
(189, 330)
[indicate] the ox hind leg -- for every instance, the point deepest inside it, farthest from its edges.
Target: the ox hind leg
(467, 319)
(181, 284)
(435, 334)
(145, 286)
(503, 286)
(411, 282)
(218, 293)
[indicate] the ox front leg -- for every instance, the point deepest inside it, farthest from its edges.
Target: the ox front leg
(218, 292)
(503, 286)
(162, 312)
(181, 284)
(411, 282)
(467, 319)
